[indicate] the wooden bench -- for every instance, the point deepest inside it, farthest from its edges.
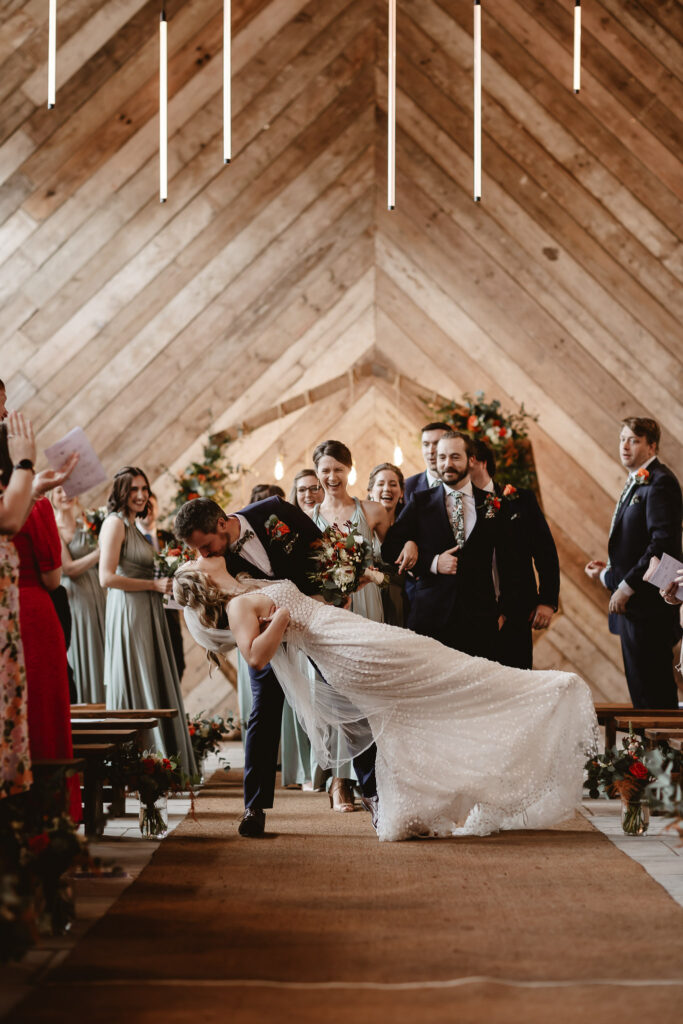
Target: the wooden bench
(99, 711)
(655, 736)
(610, 715)
(93, 754)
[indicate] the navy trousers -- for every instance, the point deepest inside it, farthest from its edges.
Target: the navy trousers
(263, 740)
(647, 649)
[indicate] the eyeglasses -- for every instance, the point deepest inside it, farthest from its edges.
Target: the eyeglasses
(308, 490)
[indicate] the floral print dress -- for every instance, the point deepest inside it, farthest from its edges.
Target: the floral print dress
(15, 759)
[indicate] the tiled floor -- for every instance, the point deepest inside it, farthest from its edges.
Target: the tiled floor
(659, 852)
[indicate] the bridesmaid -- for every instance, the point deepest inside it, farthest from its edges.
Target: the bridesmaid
(87, 599)
(139, 667)
(385, 486)
(333, 461)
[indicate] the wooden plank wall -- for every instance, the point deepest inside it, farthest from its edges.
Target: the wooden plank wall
(149, 324)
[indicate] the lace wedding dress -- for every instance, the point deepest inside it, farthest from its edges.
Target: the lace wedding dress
(465, 746)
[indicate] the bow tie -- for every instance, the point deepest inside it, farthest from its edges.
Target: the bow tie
(239, 544)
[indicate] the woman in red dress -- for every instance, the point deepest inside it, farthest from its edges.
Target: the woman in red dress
(49, 724)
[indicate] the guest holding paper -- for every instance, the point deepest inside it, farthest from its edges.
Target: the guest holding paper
(87, 599)
(646, 522)
(139, 666)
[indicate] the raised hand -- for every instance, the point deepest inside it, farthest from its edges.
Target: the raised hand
(447, 562)
(20, 440)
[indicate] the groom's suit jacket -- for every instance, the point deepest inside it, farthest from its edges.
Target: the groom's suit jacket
(647, 523)
(460, 610)
(290, 557)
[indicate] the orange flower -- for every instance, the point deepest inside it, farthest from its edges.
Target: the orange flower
(508, 490)
(643, 473)
(472, 422)
(192, 495)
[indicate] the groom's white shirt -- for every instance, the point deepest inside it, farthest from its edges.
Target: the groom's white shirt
(253, 550)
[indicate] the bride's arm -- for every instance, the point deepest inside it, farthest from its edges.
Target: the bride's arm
(245, 618)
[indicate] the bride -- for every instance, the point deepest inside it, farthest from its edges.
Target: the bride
(465, 746)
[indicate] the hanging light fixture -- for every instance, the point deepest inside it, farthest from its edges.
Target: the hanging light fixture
(353, 475)
(577, 45)
(279, 470)
(227, 72)
(52, 55)
(163, 108)
(477, 101)
(391, 110)
(398, 455)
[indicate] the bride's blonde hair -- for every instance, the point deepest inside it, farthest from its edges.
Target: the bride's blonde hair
(193, 589)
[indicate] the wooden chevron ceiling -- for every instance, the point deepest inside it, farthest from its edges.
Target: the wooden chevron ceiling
(280, 293)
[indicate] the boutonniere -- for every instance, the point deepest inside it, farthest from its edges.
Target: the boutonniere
(642, 476)
(279, 531)
(492, 505)
(510, 492)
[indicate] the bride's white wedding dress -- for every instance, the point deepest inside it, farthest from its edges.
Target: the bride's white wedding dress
(465, 746)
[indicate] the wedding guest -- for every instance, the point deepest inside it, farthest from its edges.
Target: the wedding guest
(87, 599)
(646, 522)
(261, 491)
(333, 461)
(457, 529)
(306, 491)
(430, 435)
(386, 486)
(528, 539)
(15, 502)
(139, 667)
(158, 538)
(34, 712)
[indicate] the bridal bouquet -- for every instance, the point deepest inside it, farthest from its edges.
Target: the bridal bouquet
(93, 519)
(171, 557)
(343, 562)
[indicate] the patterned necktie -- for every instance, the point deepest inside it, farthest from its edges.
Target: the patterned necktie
(239, 544)
(456, 514)
(622, 496)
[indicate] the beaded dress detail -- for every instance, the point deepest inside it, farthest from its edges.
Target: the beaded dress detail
(465, 746)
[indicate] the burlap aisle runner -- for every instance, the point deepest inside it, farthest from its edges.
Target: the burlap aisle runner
(318, 922)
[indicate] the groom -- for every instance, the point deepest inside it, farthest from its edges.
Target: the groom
(268, 539)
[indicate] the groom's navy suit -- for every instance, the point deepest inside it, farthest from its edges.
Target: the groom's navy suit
(647, 523)
(263, 730)
(459, 610)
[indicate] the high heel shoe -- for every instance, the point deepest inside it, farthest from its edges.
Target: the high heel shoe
(341, 796)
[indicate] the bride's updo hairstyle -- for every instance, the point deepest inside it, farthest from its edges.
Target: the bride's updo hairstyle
(336, 450)
(193, 589)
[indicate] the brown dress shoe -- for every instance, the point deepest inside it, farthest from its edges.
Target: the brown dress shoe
(252, 823)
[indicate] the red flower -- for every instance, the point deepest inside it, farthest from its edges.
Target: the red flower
(508, 490)
(148, 765)
(496, 502)
(643, 473)
(502, 432)
(192, 495)
(638, 770)
(472, 422)
(191, 730)
(174, 551)
(496, 423)
(37, 844)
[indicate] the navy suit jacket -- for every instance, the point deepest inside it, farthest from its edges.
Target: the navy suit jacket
(469, 593)
(529, 541)
(648, 523)
(294, 564)
(416, 482)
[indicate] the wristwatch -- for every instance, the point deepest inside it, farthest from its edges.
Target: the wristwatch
(24, 464)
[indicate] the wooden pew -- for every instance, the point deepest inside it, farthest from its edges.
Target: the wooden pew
(609, 715)
(97, 711)
(93, 754)
(655, 736)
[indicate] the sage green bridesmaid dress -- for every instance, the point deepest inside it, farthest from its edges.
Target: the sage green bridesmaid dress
(139, 667)
(368, 603)
(88, 602)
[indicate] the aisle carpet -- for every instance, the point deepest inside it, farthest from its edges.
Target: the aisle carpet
(318, 922)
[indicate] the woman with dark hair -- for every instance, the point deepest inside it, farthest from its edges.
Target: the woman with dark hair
(306, 491)
(333, 461)
(139, 667)
(386, 486)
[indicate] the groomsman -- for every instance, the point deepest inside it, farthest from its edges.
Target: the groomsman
(529, 541)
(456, 527)
(431, 434)
(646, 522)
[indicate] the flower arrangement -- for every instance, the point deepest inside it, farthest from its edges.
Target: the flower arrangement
(93, 519)
(171, 557)
(38, 844)
(206, 735)
(623, 773)
(343, 561)
(154, 776)
(208, 478)
(505, 433)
